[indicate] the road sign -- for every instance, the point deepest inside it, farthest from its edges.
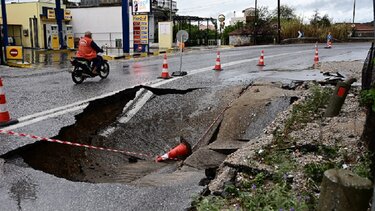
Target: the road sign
(221, 18)
(182, 36)
(14, 52)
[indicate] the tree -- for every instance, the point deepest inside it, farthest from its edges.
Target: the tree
(286, 13)
(264, 16)
(319, 21)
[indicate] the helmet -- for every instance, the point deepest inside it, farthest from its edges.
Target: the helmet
(88, 34)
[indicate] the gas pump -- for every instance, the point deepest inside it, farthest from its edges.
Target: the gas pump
(52, 37)
(69, 39)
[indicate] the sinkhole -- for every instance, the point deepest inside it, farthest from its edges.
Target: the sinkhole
(98, 166)
(90, 165)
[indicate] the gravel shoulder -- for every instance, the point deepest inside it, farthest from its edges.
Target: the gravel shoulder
(297, 157)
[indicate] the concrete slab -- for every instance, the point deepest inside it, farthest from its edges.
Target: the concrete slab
(205, 158)
(226, 145)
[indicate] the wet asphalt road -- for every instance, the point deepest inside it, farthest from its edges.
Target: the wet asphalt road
(48, 87)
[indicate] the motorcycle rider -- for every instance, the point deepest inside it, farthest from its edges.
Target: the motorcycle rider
(88, 49)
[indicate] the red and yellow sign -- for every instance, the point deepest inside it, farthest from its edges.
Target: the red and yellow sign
(14, 52)
(140, 24)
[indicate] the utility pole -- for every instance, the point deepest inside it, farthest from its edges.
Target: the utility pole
(170, 10)
(354, 11)
(373, 4)
(278, 22)
(255, 23)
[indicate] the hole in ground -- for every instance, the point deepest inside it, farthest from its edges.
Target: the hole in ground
(89, 165)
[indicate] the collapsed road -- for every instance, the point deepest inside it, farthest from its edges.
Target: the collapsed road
(216, 112)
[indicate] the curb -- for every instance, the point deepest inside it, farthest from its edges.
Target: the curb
(19, 64)
(54, 51)
(137, 55)
(144, 55)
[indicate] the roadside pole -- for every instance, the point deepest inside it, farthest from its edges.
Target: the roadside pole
(369, 119)
(59, 18)
(373, 4)
(278, 23)
(5, 27)
(125, 26)
(255, 23)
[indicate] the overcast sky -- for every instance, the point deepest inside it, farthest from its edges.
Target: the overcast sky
(337, 10)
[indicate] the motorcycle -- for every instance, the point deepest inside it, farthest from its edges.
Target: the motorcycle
(82, 69)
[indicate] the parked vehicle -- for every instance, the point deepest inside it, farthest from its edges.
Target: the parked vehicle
(82, 69)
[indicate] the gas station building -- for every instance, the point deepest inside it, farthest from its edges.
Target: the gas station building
(33, 25)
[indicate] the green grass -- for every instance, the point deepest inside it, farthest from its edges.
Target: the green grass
(315, 171)
(290, 29)
(279, 196)
(328, 152)
(305, 112)
(210, 203)
(363, 167)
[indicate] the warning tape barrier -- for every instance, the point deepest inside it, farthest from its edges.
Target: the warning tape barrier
(12, 133)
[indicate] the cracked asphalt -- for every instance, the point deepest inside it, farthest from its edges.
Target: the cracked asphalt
(154, 128)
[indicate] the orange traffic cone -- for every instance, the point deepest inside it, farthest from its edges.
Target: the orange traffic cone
(261, 59)
(329, 44)
(316, 57)
(165, 73)
(4, 114)
(218, 64)
(181, 151)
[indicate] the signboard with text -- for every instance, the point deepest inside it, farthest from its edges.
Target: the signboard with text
(51, 14)
(140, 31)
(67, 15)
(165, 35)
(141, 6)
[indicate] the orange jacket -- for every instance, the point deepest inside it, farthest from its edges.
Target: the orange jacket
(85, 50)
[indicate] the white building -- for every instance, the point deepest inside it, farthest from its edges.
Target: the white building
(105, 23)
(235, 20)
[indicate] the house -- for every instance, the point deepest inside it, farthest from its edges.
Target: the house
(240, 37)
(249, 14)
(234, 20)
(363, 30)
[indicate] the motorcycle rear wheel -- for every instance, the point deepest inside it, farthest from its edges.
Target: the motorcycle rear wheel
(77, 76)
(104, 70)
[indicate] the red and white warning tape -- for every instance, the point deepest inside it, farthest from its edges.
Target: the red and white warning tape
(12, 133)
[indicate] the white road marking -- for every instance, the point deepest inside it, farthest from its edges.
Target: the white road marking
(41, 118)
(135, 104)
